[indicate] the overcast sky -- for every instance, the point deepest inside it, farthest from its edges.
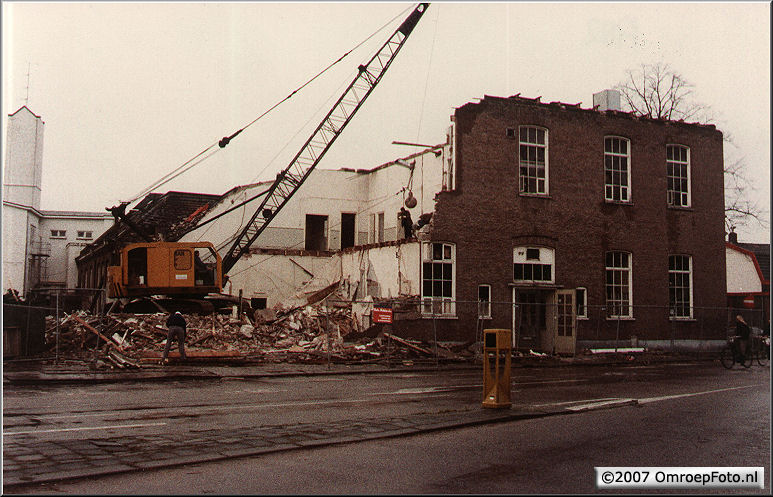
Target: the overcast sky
(131, 91)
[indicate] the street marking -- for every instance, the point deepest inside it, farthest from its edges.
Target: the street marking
(34, 432)
(547, 381)
(576, 401)
(419, 390)
(596, 405)
(677, 396)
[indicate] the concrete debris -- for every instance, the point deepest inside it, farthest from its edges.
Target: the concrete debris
(310, 334)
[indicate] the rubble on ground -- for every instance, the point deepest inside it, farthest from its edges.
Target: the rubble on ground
(307, 334)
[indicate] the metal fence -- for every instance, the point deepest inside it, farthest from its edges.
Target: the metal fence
(593, 326)
(536, 323)
(24, 322)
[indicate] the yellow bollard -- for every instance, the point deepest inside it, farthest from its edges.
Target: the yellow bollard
(497, 351)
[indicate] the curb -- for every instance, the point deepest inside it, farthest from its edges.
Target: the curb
(32, 377)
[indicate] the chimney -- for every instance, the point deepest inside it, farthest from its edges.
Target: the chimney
(607, 100)
(732, 237)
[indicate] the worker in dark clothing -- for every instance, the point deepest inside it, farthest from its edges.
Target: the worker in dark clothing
(406, 222)
(743, 331)
(176, 326)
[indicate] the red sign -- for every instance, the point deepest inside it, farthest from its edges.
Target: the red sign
(382, 315)
(748, 302)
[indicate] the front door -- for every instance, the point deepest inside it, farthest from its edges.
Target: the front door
(565, 322)
(529, 319)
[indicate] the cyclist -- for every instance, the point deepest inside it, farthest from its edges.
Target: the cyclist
(743, 331)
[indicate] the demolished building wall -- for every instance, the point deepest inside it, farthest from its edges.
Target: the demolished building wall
(278, 263)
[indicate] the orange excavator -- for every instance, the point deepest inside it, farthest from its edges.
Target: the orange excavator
(195, 269)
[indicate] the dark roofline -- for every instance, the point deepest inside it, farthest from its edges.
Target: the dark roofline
(28, 110)
(518, 99)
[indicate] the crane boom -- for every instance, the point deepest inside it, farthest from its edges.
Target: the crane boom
(289, 180)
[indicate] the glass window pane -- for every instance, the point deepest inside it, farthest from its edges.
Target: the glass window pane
(437, 251)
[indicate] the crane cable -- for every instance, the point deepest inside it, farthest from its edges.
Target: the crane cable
(189, 164)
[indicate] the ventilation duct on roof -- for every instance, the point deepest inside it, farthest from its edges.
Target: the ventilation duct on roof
(607, 100)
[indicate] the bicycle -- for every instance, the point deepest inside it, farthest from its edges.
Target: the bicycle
(760, 345)
(731, 354)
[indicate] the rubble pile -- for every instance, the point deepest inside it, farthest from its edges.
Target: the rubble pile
(299, 335)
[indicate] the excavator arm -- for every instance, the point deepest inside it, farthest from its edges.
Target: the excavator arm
(290, 179)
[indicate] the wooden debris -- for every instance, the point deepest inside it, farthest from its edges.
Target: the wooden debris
(310, 334)
(409, 345)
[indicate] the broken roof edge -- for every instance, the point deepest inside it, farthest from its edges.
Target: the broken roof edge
(393, 162)
(578, 107)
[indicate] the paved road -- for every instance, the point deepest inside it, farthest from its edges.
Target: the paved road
(55, 433)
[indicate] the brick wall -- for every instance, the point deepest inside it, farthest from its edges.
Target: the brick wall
(486, 217)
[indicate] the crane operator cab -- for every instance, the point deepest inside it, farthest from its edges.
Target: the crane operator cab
(168, 268)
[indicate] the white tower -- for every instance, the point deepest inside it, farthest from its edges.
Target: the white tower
(22, 173)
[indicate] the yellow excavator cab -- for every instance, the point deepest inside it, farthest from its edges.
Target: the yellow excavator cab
(170, 268)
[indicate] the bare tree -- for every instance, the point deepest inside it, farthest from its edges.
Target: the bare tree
(740, 208)
(658, 92)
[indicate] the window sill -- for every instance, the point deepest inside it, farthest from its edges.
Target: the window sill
(622, 318)
(680, 208)
(582, 318)
(439, 316)
(683, 320)
(618, 202)
(535, 195)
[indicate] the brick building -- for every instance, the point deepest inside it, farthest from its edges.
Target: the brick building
(555, 202)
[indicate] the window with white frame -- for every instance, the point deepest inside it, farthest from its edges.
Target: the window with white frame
(678, 175)
(680, 286)
(85, 235)
(437, 276)
(533, 264)
(58, 233)
(533, 160)
(618, 285)
(617, 169)
(484, 301)
(581, 296)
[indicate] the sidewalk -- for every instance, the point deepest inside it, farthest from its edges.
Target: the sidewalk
(47, 371)
(27, 461)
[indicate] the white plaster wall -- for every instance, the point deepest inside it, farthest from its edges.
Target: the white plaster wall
(15, 221)
(275, 277)
(63, 251)
(325, 192)
(388, 271)
(386, 191)
(742, 275)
